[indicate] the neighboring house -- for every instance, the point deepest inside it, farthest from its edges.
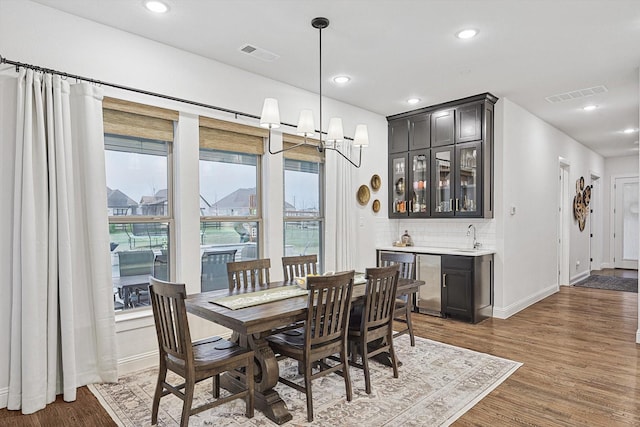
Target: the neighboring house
(154, 205)
(242, 202)
(119, 203)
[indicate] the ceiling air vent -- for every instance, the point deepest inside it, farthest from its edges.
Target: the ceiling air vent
(575, 94)
(258, 52)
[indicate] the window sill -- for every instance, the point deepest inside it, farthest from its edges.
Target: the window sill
(134, 319)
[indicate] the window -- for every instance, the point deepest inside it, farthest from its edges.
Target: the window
(230, 198)
(303, 201)
(139, 199)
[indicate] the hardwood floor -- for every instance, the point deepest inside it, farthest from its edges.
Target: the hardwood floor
(581, 365)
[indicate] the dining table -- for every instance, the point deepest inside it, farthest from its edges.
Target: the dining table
(251, 325)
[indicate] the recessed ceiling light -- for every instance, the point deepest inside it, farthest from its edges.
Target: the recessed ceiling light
(467, 33)
(156, 6)
(341, 79)
(413, 101)
(589, 107)
(629, 130)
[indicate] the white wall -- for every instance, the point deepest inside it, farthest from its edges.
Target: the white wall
(36, 34)
(527, 178)
(614, 167)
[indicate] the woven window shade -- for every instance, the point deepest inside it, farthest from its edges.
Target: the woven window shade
(228, 136)
(307, 153)
(138, 120)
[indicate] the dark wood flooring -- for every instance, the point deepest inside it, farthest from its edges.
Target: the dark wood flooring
(581, 366)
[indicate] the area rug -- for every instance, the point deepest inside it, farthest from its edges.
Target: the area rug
(437, 384)
(609, 282)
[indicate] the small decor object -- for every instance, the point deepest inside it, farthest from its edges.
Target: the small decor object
(376, 182)
(376, 206)
(581, 203)
(363, 195)
(400, 186)
(406, 239)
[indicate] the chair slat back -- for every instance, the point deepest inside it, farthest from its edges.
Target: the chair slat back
(406, 261)
(248, 274)
(380, 296)
(299, 266)
(170, 316)
(328, 308)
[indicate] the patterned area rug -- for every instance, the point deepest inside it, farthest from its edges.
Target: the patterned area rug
(609, 282)
(437, 384)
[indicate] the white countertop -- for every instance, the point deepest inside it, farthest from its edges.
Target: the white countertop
(439, 251)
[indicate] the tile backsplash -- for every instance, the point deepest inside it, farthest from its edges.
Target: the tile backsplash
(437, 232)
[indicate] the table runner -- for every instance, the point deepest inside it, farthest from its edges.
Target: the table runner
(235, 302)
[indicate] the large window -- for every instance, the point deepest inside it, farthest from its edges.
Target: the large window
(139, 200)
(303, 208)
(230, 199)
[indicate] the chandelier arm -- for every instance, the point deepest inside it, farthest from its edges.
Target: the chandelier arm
(285, 149)
(346, 158)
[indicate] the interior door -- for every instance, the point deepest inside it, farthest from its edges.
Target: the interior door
(626, 223)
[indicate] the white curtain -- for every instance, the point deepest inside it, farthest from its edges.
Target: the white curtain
(345, 237)
(62, 319)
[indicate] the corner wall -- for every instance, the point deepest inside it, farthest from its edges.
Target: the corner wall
(529, 181)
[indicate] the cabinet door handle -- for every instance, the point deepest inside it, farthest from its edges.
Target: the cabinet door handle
(457, 205)
(444, 280)
(450, 204)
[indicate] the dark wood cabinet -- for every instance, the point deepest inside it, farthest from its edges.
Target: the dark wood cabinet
(458, 139)
(466, 287)
(443, 127)
(398, 135)
(469, 119)
(419, 132)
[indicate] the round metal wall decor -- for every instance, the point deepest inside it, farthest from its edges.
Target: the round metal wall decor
(375, 206)
(363, 195)
(376, 182)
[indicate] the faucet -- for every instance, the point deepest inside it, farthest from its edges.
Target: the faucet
(476, 244)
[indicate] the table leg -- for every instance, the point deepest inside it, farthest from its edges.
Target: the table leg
(266, 375)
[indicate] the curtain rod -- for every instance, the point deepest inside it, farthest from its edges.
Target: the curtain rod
(17, 64)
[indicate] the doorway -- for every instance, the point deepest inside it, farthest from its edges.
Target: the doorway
(595, 225)
(564, 216)
(625, 234)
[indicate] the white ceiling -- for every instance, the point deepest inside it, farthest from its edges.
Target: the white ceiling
(526, 51)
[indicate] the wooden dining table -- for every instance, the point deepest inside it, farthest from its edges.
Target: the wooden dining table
(251, 326)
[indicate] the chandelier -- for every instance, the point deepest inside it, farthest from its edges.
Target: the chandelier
(270, 118)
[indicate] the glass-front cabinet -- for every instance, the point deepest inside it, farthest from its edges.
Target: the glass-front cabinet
(468, 179)
(419, 203)
(442, 178)
(398, 165)
(441, 160)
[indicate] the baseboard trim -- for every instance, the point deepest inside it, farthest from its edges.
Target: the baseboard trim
(510, 310)
(575, 279)
(137, 362)
(4, 397)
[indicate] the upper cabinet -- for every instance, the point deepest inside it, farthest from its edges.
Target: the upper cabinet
(443, 123)
(441, 160)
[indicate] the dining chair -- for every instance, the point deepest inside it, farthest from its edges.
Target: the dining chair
(299, 266)
(324, 334)
(194, 362)
(373, 322)
(248, 274)
(402, 313)
(214, 269)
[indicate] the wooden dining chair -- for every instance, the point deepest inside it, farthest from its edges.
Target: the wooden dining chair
(299, 266)
(248, 274)
(373, 322)
(402, 313)
(194, 362)
(324, 334)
